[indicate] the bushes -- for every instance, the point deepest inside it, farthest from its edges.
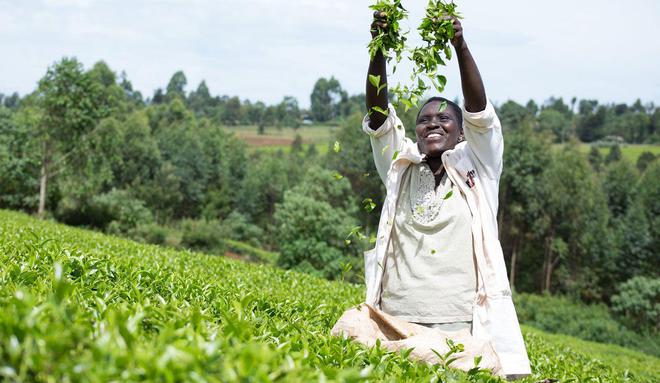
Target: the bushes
(638, 303)
(203, 235)
(116, 211)
(589, 322)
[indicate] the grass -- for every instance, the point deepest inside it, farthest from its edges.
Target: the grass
(77, 305)
(630, 152)
(283, 137)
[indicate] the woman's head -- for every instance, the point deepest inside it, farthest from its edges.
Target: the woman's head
(438, 130)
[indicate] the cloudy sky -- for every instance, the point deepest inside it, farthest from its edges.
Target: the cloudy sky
(264, 50)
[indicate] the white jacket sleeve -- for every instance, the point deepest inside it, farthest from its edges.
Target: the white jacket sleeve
(385, 141)
(483, 134)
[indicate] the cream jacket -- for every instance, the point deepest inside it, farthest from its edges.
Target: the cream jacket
(475, 165)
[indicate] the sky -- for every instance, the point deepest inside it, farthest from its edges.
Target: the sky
(265, 50)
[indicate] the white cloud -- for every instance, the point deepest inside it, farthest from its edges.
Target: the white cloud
(261, 49)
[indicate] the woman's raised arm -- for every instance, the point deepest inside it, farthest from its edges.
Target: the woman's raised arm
(377, 97)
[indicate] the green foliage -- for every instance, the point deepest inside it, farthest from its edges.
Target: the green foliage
(638, 303)
(79, 306)
(644, 160)
(589, 322)
(328, 100)
(391, 39)
(203, 235)
(116, 211)
(614, 154)
(312, 221)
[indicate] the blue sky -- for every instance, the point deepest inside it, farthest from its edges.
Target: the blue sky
(264, 50)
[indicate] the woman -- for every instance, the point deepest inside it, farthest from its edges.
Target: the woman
(438, 260)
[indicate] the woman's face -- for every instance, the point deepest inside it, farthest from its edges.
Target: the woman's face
(437, 131)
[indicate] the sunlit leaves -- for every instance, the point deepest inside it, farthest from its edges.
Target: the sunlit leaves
(392, 39)
(336, 147)
(369, 204)
(375, 81)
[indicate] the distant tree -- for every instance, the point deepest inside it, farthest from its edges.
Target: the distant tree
(526, 157)
(595, 158)
(644, 160)
(574, 221)
(354, 162)
(617, 183)
(288, 112)
(312, 222)
(297, 144)
(554, 122)
(200, 100)
(649, 197)
(326, 99)
(614, 154)
(177, 86)
(69, 102)
(512, 115)
(232, 114)
(158, 97)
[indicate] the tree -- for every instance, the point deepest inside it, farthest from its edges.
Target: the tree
(574, 220)
(312, 222)
(200, 100)
(68, 99)
(526, 157)
(177, 86)
(595, 158)
(614, 154)
(288, 112)
(554, 122)
(326, 99)
(354, 161)
(644, 160)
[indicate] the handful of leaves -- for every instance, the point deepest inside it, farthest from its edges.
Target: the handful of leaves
(436, 30)
(392, 39)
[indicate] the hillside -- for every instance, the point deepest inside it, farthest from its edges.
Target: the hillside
(81, 306)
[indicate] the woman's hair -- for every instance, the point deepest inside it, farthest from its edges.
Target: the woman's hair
(450, 104)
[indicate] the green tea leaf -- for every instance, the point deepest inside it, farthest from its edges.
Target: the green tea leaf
(381, 110)
(383, 150)
(374, 80)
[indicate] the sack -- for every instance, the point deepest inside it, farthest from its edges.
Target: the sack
(366, 324)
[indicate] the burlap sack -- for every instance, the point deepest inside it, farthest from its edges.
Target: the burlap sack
(366, 324)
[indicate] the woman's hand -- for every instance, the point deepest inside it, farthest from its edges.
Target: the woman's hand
(458, 41)
(377, 96)
(379, 24)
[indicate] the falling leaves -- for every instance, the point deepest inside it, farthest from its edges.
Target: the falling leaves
(369, 204)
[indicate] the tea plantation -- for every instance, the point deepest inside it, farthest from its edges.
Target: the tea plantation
(77, 305)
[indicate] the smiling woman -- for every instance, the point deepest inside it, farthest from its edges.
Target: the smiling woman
(438, 261)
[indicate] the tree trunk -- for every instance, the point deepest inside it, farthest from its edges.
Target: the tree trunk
(548, 263)
(514, 257)
(43, 180)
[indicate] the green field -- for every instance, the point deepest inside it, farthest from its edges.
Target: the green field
(630, 152)
(281, 138)
(77, 305)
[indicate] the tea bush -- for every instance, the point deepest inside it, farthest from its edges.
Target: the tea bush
(80, 306)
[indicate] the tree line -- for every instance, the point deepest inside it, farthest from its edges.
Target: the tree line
(87, 149)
